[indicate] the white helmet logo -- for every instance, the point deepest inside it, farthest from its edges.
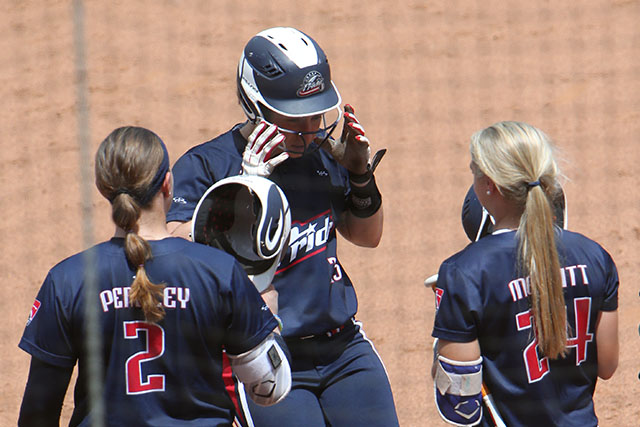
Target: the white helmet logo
(272, 244)
(312, 83)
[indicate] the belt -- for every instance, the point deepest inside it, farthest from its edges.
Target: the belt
(330, 332)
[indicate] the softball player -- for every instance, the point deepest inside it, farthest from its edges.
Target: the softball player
(167, 307)
(530, 309)
(285, 88)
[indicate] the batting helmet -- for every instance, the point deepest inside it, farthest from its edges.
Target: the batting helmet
(477, 222)
(285, 71)
(249, 218)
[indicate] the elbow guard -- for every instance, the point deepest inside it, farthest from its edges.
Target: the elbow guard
(458, 390)
(264, 371)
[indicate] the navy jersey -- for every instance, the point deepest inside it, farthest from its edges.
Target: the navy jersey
(165, 373)
(315, 293)
(480, 295)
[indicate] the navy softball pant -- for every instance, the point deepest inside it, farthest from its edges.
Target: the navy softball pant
(337, 381)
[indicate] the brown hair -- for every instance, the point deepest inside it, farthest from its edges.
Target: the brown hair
(125, 166)
(518, 158)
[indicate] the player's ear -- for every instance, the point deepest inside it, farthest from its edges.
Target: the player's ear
(491, 186)
(486, 186)
(167, 185)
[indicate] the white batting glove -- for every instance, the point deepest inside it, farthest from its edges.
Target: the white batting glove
(262, 141)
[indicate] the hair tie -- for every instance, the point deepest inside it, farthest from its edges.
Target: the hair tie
(118, 192)
(534, 184)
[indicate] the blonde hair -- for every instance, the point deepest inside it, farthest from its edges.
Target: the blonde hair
(125, 166)
(518, 158)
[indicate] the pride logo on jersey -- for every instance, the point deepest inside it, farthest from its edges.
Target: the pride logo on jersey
(34, 310)
(307, 239)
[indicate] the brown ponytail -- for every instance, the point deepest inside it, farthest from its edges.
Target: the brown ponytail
(127, 162)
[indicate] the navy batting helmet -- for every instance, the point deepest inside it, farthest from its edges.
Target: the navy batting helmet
(476, 221)
(285, 71)
(248, 217)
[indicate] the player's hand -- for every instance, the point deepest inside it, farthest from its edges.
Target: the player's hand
(270, 297)
(352, 151)
(260, 145)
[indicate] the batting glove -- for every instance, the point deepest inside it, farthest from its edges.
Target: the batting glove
(262, 141)
(352, 151)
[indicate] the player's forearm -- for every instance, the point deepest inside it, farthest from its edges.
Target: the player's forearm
(44, 394)
(363, 221)
(365, 232)
(607, 342)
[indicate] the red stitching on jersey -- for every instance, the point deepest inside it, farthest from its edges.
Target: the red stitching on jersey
(314, 218)
(302, 259)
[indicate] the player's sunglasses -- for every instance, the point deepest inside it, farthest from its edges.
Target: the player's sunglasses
(329, 123)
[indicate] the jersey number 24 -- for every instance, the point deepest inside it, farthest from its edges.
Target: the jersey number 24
(538, 368)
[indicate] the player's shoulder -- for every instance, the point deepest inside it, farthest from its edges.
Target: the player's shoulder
(194, 262)
(571, 241)
(480, 258)
(224, 267)
(228, 143)
(459, 264)
(576, 238)
(176, 246)
(71, 270)
(490, 246)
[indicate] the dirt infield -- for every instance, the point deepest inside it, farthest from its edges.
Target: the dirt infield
(423, 76)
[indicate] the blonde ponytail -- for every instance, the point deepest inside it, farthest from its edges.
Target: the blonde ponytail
(539, 259)
(518, 158)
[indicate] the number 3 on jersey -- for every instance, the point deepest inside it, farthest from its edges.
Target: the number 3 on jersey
(538, 368)
(337, 272)
(154, 344)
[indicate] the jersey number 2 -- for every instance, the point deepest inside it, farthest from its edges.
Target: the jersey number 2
(154, 343)
(538, 368)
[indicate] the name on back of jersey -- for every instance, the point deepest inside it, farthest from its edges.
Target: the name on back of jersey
(118, 297)
(572, 275)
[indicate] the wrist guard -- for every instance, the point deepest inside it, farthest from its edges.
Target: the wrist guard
(366, 200)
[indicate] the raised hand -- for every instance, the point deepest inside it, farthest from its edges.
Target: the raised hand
(261, 143)
(352, 151)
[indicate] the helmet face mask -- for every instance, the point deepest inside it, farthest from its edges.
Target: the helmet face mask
(283, 70)
(249, 218)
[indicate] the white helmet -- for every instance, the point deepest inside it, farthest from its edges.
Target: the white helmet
(285, 71)
(249, 218)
